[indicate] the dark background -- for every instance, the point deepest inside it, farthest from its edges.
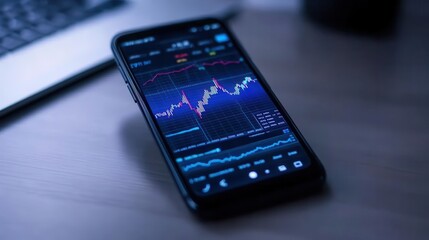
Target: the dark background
(82, 164)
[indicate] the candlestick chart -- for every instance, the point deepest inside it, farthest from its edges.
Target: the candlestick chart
(204, 101)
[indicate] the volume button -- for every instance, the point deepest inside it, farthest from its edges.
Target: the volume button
(132, 93)
(123, 75)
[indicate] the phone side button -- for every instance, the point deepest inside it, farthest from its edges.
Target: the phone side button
(123, 75)
(132, 93)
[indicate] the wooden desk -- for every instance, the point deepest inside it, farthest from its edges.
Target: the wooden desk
(82, 164)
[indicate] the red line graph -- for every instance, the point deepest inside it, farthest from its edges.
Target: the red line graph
(188, 67)
(213, 90)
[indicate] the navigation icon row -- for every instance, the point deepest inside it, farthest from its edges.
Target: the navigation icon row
(223, 183)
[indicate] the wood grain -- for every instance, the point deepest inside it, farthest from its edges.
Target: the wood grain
(82, 164)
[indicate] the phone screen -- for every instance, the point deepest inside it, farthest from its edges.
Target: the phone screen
(223, 128)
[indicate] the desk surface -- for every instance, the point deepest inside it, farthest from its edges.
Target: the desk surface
(82, 164)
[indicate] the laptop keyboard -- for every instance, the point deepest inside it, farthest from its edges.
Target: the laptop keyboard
(25, 21)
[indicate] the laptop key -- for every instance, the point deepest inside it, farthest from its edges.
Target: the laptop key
(33, 17)
(28, 34)
(11, 43)
(25, 21)
(2, 51)
(44, 28)
(3, 32)
(59, 20)
(15, 24)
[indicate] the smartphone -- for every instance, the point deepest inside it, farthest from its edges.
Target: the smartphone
(227, 140)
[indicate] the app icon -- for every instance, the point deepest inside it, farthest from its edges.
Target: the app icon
(206, 189)
(297, 164)
(223, 183)
(292, 153)
(253, 174)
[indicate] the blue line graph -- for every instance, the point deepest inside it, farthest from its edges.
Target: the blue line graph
(291, 139)
(193, 156)
(182, 132)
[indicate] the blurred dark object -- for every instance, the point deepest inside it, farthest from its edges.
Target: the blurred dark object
(360, 16)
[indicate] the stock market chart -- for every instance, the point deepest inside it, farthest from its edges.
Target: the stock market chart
(212, 109)
(191, 111)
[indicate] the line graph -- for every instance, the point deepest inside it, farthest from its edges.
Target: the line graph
(209, 163)
(193, 156)
(222, 62)
(213, 99)
(212, 108)
(213, 90)
(183, 132)
(207, 100)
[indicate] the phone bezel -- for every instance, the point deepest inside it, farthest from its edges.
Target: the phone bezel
(314, 173)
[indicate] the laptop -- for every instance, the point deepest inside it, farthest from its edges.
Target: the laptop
(46, 44)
